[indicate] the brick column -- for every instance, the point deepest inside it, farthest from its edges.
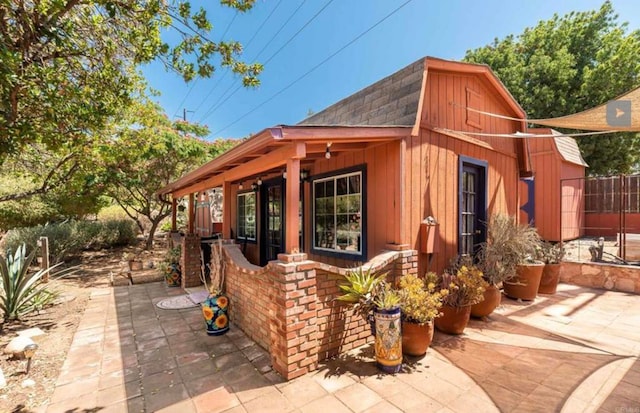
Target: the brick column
(293, 314)
(190, 261)
(407, 263)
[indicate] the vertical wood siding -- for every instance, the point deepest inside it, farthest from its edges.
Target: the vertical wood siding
(432, 162)
(382, 197)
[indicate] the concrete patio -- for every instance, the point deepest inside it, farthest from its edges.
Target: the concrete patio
(576, 351)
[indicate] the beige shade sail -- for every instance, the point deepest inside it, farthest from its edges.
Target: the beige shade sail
(620, 114)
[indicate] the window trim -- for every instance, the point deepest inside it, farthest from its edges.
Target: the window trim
(355, 256)
(238, 237)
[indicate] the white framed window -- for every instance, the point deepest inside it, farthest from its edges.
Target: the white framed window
(247, 216)
(338, 214)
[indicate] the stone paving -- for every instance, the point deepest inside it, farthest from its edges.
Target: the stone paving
(576, 351)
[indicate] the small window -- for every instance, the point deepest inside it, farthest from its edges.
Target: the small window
(338, 214)
(247, 216)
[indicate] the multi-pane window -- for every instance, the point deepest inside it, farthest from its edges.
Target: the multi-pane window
(338, 212)
(247, 216)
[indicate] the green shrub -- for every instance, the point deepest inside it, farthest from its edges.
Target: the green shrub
(67, 239)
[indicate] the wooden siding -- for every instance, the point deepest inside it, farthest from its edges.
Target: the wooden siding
(432, 160)
(382, 196)
(550, 170)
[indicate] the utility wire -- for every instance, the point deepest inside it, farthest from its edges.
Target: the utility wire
(223, 100)
(308, 72)
(195, 81)
(226, 72)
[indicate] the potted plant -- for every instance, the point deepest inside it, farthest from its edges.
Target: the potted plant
(388, 337)
(359, 291)
(215, 307)
(170, 267)
(466, 287)
(524, 285)
(420, 303)
(134, 263)
(551, 254)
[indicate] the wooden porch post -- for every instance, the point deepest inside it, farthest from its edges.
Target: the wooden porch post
(174, 214)
(292, 207)
(226, 210)
(190, 214)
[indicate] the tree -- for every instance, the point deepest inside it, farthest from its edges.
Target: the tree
(147, 153)
(568, 64)
(67, 67)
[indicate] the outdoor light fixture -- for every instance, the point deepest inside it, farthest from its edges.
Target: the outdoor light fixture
(327, 153)
(29, 352)
(254, 187)
(240, 186)
(259, 181)
(304, 174)
(284, 175)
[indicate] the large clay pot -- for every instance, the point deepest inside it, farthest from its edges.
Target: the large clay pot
(388, 343)
(453, 319)
(550, 278)
(214, 310)
(492, 298)
(416, 338)
(525, 285)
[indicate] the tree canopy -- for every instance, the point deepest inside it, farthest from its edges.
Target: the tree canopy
(147, 152)
(568, 64)
(68, 66)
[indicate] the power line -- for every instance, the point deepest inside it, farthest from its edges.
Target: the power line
(223, 100)
(226, 72)
(298, 32)
(308, 72)
(197, 78)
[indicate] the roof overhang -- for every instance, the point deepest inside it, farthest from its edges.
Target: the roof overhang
(272, 147)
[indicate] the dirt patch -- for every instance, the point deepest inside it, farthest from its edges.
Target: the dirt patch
(60, 321)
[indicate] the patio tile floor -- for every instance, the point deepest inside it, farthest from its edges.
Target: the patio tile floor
(574, 351)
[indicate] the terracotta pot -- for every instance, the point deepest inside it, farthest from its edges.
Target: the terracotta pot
(416, 338)
(214, 310)
(492, 298)
(550, 278)
(453, 319)
(525, 285)
(388, 340)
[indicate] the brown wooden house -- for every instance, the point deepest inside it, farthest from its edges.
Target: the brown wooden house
(401, 176)
(367, 171)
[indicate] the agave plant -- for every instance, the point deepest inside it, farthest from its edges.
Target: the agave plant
(360, 290)
(22, 291)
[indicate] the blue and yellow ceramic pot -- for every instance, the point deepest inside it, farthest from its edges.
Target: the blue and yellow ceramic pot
(172, 275)
(388, 342)
(214, 310)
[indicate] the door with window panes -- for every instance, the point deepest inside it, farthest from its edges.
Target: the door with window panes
(472, 206)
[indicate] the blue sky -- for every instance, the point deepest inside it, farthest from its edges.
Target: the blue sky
(445, 29)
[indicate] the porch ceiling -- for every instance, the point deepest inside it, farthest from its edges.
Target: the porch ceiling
(270, 149)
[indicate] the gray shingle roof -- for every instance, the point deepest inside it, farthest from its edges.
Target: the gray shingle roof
(568, 148)
(392, 101)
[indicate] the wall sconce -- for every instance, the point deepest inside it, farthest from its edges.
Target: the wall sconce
(327, 153)
(284, 175)
(259, 181)
(254, 187)
(304, 175)
(240, 186)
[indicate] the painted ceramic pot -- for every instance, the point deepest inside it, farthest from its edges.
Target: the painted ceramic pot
(214, 310)
(388, 342)
(172, 275)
